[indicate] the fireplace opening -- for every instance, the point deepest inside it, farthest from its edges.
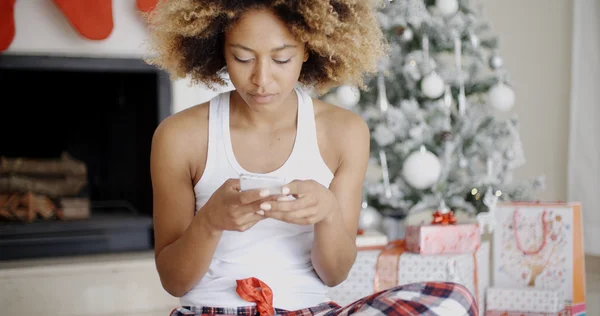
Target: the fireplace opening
(75, 144)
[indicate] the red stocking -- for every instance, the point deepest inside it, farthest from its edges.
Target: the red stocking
(7, 23)
(91, 19)
(146, 5)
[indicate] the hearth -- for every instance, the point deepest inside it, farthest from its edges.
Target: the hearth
(99, 115)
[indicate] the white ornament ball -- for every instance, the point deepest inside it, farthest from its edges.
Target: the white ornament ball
(432, 86)
(347, 96)
(369, 219)
(496, 62)
(407, 35)
(447, 7)
(502, 97)
(421, 169)
(331, 98)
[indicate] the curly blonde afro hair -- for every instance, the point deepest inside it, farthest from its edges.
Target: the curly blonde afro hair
(342, 37)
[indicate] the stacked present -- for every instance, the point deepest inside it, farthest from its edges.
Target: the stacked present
(538, 260)
(537, 263)
(525, 301)
(443, 251)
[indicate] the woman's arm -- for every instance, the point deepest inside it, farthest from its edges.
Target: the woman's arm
(176, 229)
(334, 247)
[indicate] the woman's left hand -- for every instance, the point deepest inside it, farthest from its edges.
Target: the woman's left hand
(313, 203)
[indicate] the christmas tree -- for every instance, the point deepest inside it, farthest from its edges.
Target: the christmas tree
(437, 113)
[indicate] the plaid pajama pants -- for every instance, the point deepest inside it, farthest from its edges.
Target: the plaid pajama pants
(427, 298)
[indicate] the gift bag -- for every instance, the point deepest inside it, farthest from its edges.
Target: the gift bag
(540, 245)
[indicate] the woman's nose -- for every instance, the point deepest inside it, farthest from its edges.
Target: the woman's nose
(262, 74)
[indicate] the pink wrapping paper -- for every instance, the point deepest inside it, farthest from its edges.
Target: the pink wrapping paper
(442, 239)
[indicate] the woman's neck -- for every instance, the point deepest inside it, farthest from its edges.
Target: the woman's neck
(267, 117)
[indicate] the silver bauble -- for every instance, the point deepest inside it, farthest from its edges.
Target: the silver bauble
(347, 96)
(407, 35)
(496, 62)
(369, 219)
(421, 169)
(447, 7)
(502, 97)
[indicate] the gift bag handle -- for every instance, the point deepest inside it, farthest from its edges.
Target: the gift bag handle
(516, 232)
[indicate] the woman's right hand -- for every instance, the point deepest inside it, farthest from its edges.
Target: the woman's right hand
(230, 209)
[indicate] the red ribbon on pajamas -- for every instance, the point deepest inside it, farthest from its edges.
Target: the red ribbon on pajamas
(256, 291)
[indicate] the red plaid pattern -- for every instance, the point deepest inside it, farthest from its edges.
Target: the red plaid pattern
(426, 299)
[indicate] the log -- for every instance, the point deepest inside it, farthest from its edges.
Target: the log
(74, 208)
(52, 187)
(26, 207)
(64, 166)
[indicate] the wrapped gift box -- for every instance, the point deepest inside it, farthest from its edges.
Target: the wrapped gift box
(369, 273)
(525, 300)
(442, 239)
(468, 269)
(565, 312)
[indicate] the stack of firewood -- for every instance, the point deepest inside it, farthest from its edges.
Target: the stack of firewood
(33, 189)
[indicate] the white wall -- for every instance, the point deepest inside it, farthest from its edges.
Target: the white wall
(535, 42)
(42, 29)
(584, 159)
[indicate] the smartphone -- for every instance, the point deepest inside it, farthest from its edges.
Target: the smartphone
(253, 181)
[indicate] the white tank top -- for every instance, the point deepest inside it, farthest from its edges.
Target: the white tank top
(273, 251)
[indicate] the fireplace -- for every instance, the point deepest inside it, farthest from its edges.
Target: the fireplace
(100, 113)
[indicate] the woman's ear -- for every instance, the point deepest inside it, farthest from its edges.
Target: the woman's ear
(306, 56)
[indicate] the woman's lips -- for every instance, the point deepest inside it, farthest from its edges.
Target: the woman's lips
(262, 98)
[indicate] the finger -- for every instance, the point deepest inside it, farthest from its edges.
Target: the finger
(251, 196)
(255, 206)
(295, 187)
(301, 217)
(248, 218)
(294, 215)
(233, 184)
(244, 227)
(287, 206)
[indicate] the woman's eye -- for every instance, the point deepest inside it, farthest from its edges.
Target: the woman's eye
(282, 61)
(242, 60)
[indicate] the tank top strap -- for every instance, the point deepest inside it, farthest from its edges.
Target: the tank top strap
(215, 134)
(307, 128)
(218, 109)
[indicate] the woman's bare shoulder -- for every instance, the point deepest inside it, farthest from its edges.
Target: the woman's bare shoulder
(341, 132)
(189, 123)
(339, 122)
(183, 135)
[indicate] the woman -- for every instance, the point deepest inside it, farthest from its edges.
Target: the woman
(224, 251)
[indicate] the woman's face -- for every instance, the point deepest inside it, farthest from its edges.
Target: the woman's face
(263, 58)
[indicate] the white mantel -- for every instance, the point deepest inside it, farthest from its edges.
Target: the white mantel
(42, 29)
(92, 285)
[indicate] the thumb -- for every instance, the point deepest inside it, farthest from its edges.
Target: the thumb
(232, 185)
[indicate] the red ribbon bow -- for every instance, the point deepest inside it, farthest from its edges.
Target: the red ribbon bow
(440, 218)
(256, 291)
